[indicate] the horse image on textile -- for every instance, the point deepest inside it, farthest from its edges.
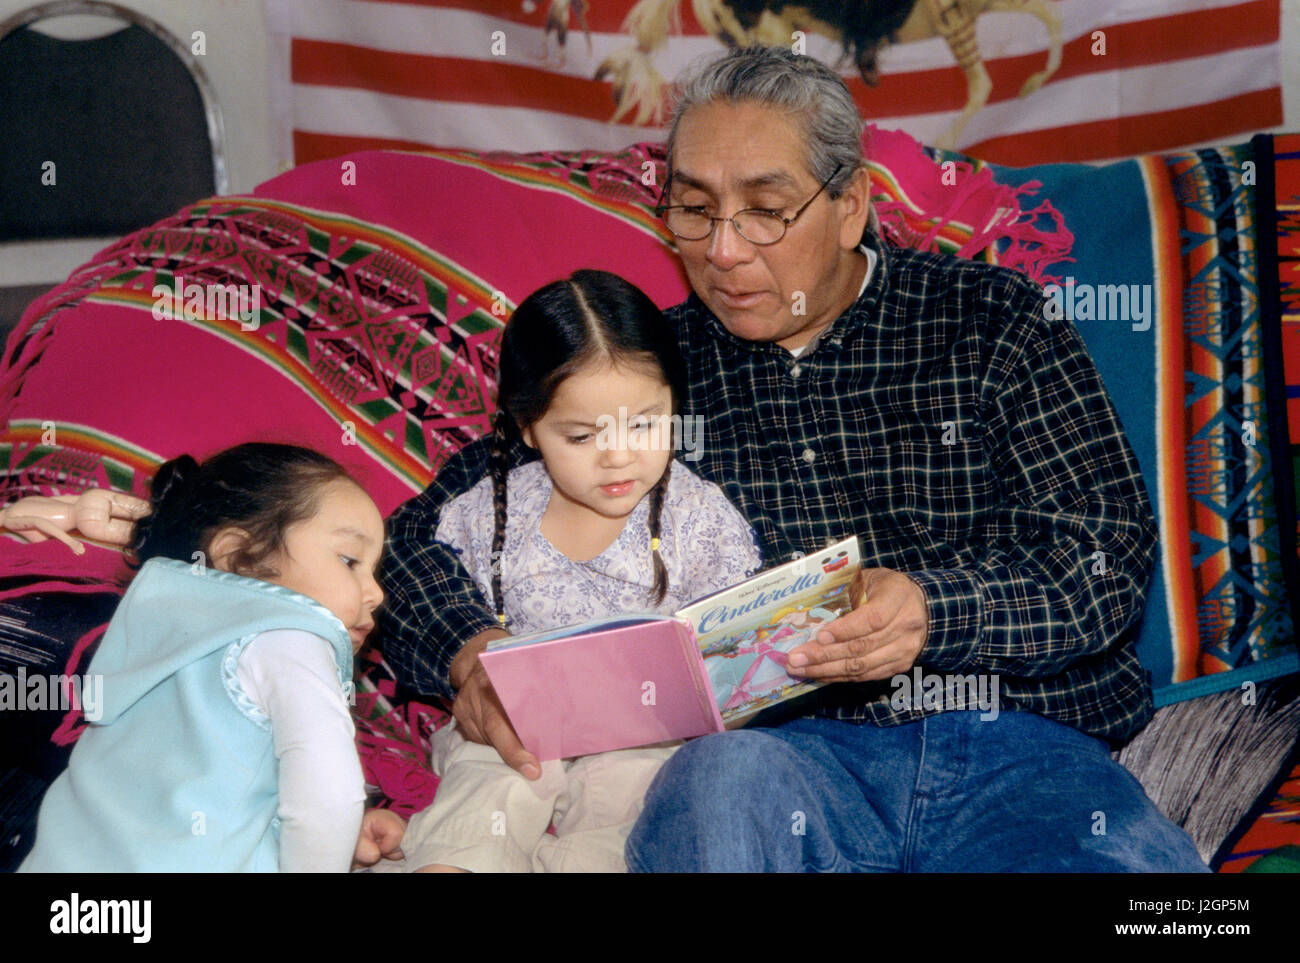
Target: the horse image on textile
(863, 28)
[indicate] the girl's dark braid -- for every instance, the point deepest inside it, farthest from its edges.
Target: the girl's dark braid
(656, 509)
(500, 458)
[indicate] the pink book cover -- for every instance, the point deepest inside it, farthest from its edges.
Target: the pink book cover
(612, 684)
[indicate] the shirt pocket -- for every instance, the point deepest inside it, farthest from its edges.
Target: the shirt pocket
(944, 489)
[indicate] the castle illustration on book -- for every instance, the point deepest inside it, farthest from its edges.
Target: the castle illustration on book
(639, 679)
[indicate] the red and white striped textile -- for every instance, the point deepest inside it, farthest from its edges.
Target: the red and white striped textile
(485, 74)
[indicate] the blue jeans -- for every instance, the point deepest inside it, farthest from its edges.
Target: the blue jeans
(947, 793)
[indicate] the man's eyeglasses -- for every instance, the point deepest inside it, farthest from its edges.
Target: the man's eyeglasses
(754, 224)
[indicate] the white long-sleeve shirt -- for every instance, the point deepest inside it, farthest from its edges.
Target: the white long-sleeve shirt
(290, 675)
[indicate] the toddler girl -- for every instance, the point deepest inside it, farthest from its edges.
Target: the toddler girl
(225, 741)
(604, 523)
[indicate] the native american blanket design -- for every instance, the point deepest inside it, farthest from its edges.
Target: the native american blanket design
(1164, 283)
(1277, 828)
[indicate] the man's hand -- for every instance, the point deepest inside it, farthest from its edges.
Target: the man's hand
(478, 711)
(882, 636)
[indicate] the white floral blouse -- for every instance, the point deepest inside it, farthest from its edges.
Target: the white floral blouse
(705, 543)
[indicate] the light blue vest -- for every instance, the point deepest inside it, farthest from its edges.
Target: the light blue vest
(179, 773)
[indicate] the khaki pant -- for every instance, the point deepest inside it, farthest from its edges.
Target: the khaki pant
(487, 818)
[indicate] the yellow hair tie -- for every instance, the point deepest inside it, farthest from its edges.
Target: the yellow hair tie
(654, 544)
(502, 618)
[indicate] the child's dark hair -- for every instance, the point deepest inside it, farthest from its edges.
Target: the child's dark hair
(558, 330)
(262, 488)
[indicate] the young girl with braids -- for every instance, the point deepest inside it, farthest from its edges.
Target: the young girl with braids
(225, 741)
(604, 523)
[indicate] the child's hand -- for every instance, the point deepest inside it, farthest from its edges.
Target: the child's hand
(381, 836)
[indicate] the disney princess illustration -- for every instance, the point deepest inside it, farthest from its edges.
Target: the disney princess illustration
(751, 673)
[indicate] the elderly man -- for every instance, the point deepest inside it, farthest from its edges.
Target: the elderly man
(926, 405)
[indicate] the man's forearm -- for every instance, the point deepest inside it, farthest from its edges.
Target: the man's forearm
(1031, 610)
(1064, 558)
(433, 604)
(422, 647)
(467, 658)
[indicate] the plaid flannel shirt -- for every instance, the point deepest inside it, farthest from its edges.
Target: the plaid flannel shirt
(965, 438)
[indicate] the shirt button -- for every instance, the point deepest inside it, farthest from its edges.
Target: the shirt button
(809, 455)
(796, 370)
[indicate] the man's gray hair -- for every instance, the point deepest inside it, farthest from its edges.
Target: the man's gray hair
(813, 94)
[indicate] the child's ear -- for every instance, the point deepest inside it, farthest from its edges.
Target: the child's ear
(527, 435)
(225, 544)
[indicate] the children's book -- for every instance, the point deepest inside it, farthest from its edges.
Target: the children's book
(639, 679)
